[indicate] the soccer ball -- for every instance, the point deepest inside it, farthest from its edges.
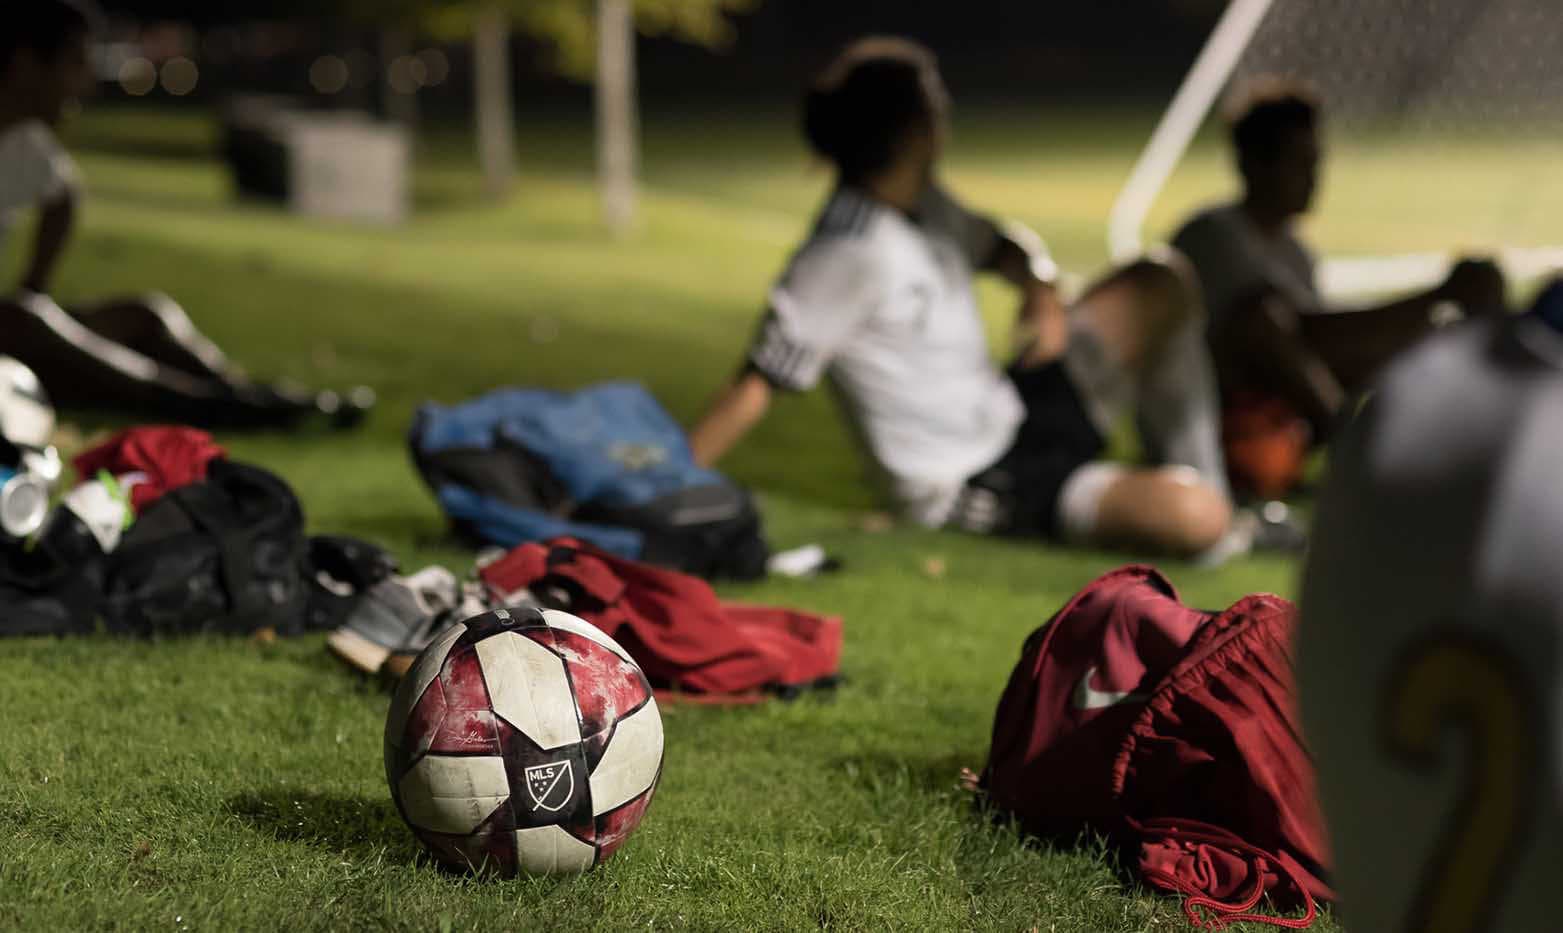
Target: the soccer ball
(26, 417)
(523, 740)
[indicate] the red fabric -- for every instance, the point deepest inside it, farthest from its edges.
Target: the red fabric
(1174, 733)
(672, 624)
(1266, 444)
(168, 458)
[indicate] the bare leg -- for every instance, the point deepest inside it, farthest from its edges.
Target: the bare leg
(1260, 351)
(1167, 510)
(1130, 338)
(1134, 310)
(1137, 339)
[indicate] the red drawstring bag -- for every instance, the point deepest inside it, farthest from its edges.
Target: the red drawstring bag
(1175, 734)
(692, 646)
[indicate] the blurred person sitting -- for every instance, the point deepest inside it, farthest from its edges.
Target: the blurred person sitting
(1287, 361)
(881, 296)
(140, 355)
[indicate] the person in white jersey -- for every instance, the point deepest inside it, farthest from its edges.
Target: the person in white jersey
(1431, 644)
(1274, 338)
(880, 298)
(143, 355)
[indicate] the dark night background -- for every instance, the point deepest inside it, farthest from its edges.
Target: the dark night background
(998, 52)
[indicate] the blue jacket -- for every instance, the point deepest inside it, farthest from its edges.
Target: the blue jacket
(610, 445)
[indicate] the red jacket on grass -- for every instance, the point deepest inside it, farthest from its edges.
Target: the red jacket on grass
(684, 638)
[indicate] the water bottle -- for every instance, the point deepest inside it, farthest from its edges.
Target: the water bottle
(27, 479)
(24, 502)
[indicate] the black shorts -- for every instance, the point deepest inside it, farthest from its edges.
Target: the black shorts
(1018, 495)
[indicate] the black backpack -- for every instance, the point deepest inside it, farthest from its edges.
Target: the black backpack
(224, 555)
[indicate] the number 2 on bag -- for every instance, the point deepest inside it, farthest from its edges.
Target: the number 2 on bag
(1460, 682)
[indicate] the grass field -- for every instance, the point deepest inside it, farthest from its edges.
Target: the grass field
(223, 784)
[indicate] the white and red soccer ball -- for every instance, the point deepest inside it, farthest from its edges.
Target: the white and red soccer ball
(523, 741)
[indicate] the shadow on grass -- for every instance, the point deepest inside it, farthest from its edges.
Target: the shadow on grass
(356, 827)
(939, 774)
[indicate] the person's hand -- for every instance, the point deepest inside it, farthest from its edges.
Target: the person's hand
(1042, 326)
(1476, 285)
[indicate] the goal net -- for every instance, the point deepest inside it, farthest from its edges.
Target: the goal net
(1443, 128)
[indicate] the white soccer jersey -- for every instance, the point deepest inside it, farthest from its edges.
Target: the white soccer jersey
(1429, 664)
(1234, 261)
(884, 303)
(34, 168)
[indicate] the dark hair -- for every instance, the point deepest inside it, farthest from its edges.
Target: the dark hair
(44, 26)
(866, 102)
(1266, 110)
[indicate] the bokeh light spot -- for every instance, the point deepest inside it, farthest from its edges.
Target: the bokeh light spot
(138, 76)
(329, 74)
(436, 67)
(180, 76)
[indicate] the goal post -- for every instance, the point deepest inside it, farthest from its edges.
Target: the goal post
(1190, 106)
(1445, 124)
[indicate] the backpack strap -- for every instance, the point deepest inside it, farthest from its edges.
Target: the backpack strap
(1202, 910)
(210, 511)
(593, 575)
(584, 579)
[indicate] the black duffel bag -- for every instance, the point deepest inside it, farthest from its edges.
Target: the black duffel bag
(224, 555)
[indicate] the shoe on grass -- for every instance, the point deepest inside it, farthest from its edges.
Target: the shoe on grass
(470, 603)
(396, 614)
(1267, 528)
(1277, 530)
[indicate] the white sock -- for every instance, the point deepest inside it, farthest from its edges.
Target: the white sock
(1080, 500)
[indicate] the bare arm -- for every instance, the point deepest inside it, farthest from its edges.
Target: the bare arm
(56, 219)
(734, 412)
(1042, 324)
(1267, 338)
(1476, 285)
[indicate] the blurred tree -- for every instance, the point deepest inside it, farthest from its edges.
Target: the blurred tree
(495, 112)
(618, 119)
(589, 41)
(578, 48)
